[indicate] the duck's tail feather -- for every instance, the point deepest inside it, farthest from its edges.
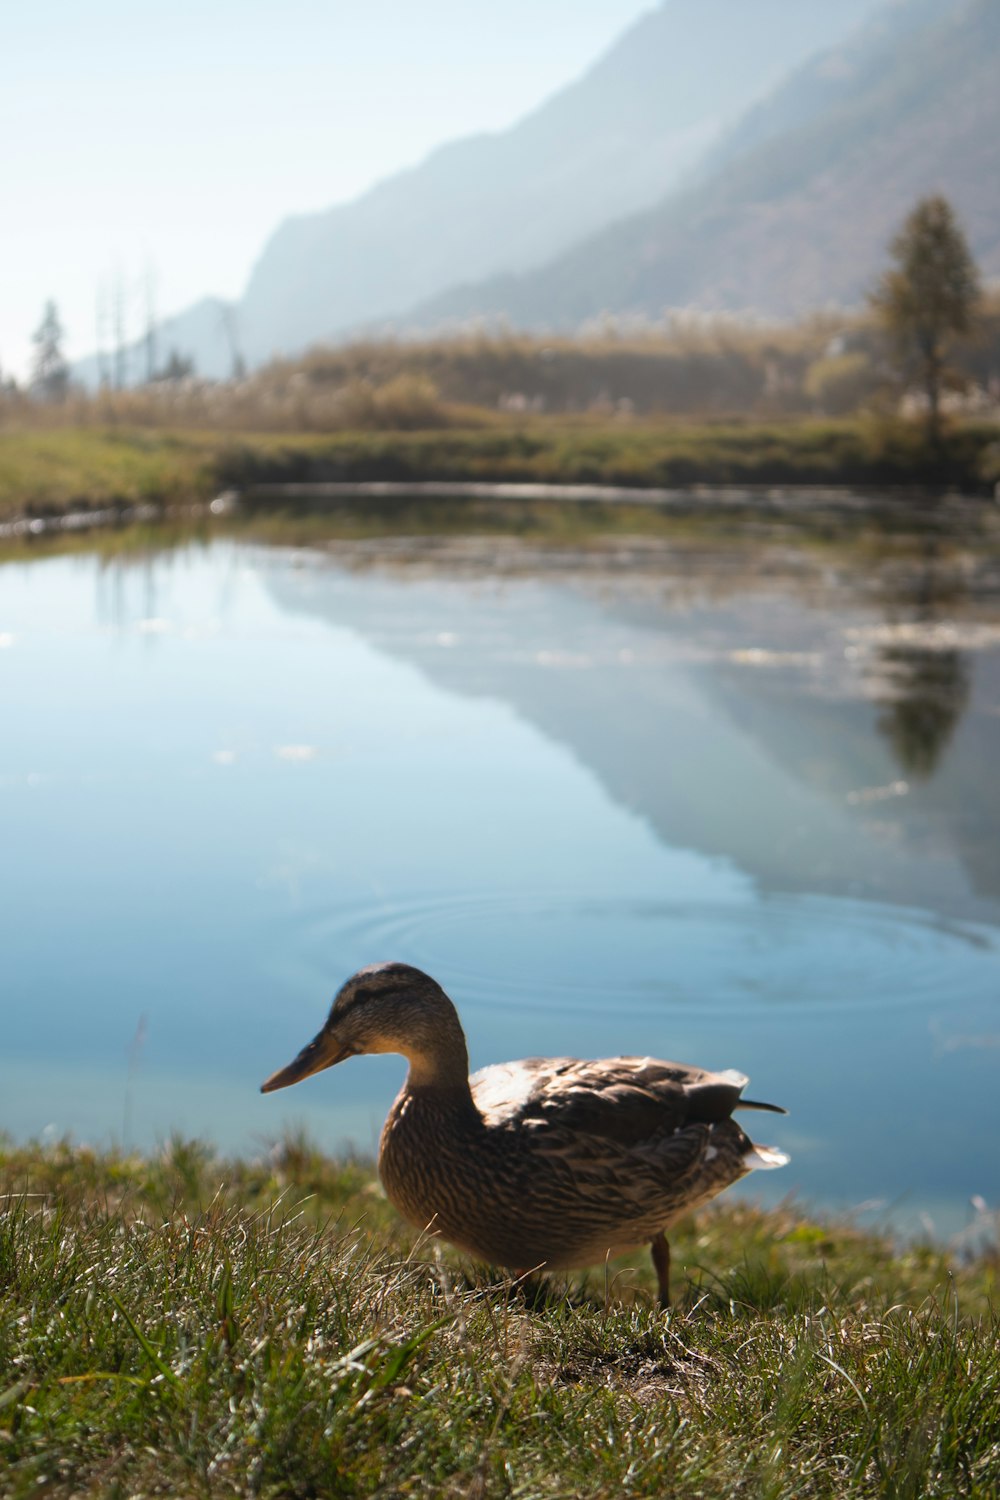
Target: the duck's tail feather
(766, 1157)
(739, 1081)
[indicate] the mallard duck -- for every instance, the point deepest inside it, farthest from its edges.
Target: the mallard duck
(546, 1163)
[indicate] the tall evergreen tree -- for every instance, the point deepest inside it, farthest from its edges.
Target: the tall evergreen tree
(928, 297)
(50, 372)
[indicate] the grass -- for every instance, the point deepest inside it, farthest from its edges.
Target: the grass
(179, 1325)
(51, 470)
(54, 469)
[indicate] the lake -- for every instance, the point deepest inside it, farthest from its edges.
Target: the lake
(728, 801)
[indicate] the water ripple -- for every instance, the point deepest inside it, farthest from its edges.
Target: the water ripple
(567, 952)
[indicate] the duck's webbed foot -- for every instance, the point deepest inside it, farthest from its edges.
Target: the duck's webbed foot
(661, 1264)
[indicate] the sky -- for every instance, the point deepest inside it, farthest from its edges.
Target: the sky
(161, 145)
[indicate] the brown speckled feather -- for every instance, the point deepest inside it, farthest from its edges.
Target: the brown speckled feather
(626, 1099)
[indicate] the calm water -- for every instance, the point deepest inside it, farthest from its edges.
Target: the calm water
(735, 807)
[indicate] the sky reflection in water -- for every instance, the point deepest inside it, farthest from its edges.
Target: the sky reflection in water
(726, 821)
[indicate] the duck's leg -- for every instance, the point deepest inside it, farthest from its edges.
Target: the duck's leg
(532, 1288)
(661, 1264)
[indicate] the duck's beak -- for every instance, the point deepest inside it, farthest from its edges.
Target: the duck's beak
(322, 1052)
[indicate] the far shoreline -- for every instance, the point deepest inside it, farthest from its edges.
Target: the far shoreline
(847, 468)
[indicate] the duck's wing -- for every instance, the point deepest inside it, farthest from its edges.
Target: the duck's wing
(605, 1155)
(629, 1100)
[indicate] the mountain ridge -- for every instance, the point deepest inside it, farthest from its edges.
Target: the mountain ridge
(638, 120)
(606, 144)
(802, 218)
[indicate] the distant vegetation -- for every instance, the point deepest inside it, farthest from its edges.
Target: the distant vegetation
(714, 402)
(183, 1325)
(688, 367)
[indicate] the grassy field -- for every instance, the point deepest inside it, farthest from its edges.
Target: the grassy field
(180, 1325)
(54, 469)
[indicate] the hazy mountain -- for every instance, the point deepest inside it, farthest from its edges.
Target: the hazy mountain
(612, 142)
(796, 204)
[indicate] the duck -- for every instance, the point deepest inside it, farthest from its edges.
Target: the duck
(541, 1164)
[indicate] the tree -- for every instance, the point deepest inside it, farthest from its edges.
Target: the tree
(930, 689)
(178, 367)
(839, 383)
(928, 297)
(50, 372)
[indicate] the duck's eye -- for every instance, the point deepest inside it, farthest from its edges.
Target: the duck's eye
(348, 1004)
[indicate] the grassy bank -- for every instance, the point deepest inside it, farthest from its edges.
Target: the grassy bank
(180, 1325)
(49, 470)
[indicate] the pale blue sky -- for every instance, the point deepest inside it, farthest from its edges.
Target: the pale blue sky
(180, 136)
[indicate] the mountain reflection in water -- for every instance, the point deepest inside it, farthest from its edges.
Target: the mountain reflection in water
(729, 804)
(762, 723)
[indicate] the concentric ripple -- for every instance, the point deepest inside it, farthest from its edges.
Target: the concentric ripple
(567, 952)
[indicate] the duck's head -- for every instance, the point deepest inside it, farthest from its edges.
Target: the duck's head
(385, 1008)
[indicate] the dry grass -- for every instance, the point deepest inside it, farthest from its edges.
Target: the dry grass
(696, 368)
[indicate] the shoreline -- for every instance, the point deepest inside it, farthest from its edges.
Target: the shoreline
(386, 499)
(853, 466)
